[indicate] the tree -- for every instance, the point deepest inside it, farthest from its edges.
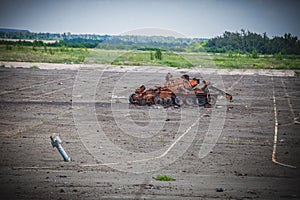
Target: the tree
(151, 56)
(248, 41)
(158, 54)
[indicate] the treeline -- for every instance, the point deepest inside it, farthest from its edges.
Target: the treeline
(240, 42)
(126, 42)
(248, 42)
(27, 35)
(112, 43)
(130, 42)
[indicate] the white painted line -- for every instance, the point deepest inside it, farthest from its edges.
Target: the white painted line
(235, 83)
(54, 91)
(43, 121)
(179, 138)
(32, 86)
(276, 131)
(156, 157)
(289, 103)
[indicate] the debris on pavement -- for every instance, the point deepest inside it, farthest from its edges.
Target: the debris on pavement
(219, 190)
(56, 142)
(177, 92)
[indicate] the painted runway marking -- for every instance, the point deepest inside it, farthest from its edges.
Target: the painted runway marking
(53, 91)
(235, 83)
(156, 157)
(276, 131)
(42, 122)
(32, 86)
(289, 103)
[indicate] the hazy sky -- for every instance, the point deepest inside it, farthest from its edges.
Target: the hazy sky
(192, 18)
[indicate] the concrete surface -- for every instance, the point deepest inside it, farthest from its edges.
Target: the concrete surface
(78, 105)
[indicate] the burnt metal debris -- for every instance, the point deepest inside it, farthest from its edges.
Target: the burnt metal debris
(177, 92)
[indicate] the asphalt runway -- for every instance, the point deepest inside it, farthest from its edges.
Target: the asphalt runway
(245, 149)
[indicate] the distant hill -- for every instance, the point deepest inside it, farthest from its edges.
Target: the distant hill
(10, 30)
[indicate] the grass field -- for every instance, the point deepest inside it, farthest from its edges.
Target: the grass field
(42, 54)
(122, 57)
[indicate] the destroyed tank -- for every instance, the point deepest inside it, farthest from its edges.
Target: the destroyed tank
(178, 92)
(157, 96)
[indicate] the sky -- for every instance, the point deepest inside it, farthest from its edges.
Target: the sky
(189, 18)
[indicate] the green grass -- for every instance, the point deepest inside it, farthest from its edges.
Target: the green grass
(34, 67)
(262, 62)
(242, 61)
(39, 54)
(100, 56)
(164, 178)
(143, 58)
(137, 58)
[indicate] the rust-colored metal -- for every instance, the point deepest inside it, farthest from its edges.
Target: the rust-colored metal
(176, 92)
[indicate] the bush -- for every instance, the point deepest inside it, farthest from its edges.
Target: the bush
(8, 47)
(254, 54)
(51, 51)
(164, 178)
(81, 58)
(278, 56)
